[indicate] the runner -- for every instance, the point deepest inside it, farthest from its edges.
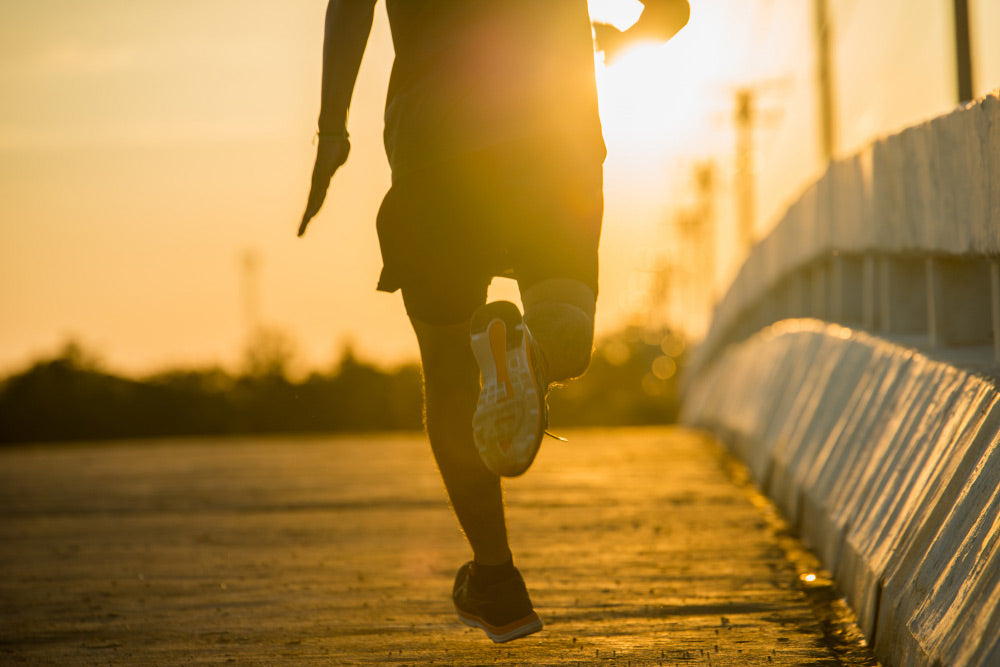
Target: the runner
(494, 140)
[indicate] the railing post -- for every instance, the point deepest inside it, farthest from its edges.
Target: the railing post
(819, 296)
(837, 310)
(869, 295)
(903, 303)
(796, 294)
(884, 296)
(932, 284)
(995, 306)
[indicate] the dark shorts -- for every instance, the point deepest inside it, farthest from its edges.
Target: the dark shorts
(529, 210)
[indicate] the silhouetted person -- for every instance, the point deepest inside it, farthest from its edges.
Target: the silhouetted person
(493, 136)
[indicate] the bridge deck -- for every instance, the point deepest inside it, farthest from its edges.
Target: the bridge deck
(638, 546)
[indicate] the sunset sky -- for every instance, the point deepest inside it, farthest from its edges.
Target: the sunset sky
(146, 148)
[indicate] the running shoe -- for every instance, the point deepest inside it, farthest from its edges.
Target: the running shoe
(502, 609)
(511, 415)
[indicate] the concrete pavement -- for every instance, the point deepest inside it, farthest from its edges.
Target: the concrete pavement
(640, 547)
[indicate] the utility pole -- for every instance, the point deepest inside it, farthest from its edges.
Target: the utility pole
(963, 51)
(250, 270)
(705, 244)
(684, 285)
(744, 118)
(824, 80)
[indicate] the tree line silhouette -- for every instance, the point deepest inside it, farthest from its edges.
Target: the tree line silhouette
(72, 396)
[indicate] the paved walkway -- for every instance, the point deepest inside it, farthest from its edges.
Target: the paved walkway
(637, 545)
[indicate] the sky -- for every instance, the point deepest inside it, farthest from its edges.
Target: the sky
(147, 149)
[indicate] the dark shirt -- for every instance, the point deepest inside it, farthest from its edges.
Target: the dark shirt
(471, 74)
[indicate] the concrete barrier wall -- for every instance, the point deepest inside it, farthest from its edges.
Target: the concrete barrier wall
(886, 240)
(887, 463)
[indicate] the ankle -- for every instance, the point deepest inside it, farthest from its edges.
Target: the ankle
(490, 574)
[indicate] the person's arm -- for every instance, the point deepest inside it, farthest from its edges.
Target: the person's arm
(659, 22)
(348, 25)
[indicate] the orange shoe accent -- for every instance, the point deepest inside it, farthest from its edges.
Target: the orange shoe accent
(498, 343)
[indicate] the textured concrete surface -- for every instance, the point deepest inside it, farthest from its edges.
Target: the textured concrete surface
(640, 547)
(887, 463)
(929, 191)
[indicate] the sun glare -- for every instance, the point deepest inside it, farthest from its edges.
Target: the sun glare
(640, 110)
(619, 13)
(654, 96)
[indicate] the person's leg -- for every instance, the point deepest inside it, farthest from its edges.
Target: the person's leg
(444, 268)
(451, 388)
(489, 592)
(559, 313)
(554, 238)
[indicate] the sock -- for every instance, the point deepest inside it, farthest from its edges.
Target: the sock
(565, 335)
(559, 313)
(487, 575)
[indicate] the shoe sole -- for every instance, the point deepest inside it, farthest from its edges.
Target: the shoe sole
(510, 400)
(500, 634)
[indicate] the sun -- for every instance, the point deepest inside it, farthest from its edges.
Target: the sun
(639, 112)
(652, 98)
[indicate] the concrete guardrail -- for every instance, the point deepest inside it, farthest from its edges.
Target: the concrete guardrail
(902, 239)
(879, 437)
